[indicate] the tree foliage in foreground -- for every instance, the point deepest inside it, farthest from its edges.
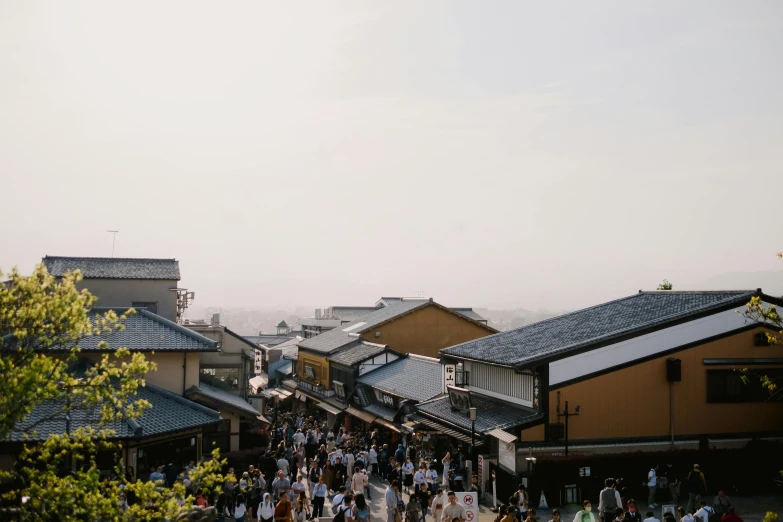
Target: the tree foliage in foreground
(757, 311)
(42, 321)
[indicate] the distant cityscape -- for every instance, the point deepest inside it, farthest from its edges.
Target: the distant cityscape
(247, 321)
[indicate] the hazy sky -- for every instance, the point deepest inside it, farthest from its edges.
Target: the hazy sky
(541, 154)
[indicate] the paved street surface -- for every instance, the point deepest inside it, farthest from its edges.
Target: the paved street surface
(751, 509)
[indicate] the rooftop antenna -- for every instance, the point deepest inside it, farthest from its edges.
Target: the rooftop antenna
(419, 293)
(113, 239)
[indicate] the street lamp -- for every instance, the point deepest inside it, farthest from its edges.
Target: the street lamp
(567, 414)
(473, 415)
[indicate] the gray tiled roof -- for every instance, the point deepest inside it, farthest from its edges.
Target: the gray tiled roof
(492, 414)
(145, 331)
(356, 354)
(114, 267)
(336, 338)
(381, 411)
(351, 313)
(470, 313)
(169, 413)
(269, 340)
(412, 377)
(592, 325)
(364, 395)
(222, 396)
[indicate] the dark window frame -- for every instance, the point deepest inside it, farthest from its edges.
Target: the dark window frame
(728, 386)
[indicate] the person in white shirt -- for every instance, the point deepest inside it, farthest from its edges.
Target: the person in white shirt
(349, 460)
(704, 512)
(407, 474)
(420, 477)
(358, 481)
(652, 485)
(373, 454)
(446, 464)
(299, 438)
(337, 501)
(239, 510)
(651, 517)
(432, 479)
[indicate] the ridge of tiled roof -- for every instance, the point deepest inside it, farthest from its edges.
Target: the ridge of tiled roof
(492, 413)
(169, 413)
(114, 267)
(343, 335)
(222, 396)
(146, 331)
(598, 323)
(351, 313)
(413, 377)
(469, 312)
(358, 353)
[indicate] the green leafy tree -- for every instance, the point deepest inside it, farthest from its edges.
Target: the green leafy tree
(666, 285)
(42, 321)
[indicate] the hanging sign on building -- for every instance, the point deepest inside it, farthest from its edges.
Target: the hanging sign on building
(507, 455)
(459, 397)
(449, 376)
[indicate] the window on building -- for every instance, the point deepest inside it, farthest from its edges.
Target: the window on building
(150, 306)
(228, 376)
(339, 389)
(736, 386)
(309, 372)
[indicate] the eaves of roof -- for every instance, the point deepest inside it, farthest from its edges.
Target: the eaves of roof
(614, 337)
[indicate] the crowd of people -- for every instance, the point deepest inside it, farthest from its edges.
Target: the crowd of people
(614, 504)
(315, 472)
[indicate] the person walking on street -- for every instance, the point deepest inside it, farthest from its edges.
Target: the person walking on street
(684, 515)
(586, 513)
(284, 511)
(438, 503)
(391, 497)
(704, 512)
(453, 509)
(319, 497)
(358, 482)
(413, 509)
(373, 455)
(425, 499)
(608, 501)
(696, 485)
(632, 515)
(420, 477)
(407, 471)
(361, 511)
(673, 483)
(652, 485)
(722, 503)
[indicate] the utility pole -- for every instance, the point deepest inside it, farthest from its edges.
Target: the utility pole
(113, 239)
(567, 414)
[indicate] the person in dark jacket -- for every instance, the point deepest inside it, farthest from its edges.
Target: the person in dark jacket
(399, 455)
(395, 472)
(632, 515)
(697, 486)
